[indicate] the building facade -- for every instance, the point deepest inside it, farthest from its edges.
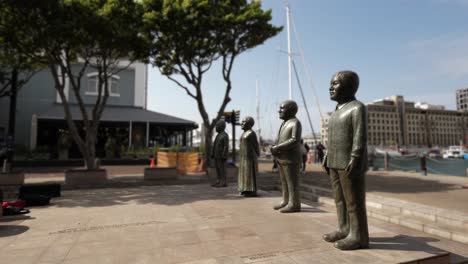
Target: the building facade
(394, 121)
(462, 99)
(40, 114)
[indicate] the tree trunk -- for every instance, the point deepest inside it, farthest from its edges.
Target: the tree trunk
(89, 155)
(12, 118)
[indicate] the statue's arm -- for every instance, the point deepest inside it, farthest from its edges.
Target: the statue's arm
(359, 132)
(226, 146)
(295, 138)
(254, 143)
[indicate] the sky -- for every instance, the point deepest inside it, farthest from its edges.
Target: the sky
(414, 48)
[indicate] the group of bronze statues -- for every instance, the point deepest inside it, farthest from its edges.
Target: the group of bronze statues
(345, 160)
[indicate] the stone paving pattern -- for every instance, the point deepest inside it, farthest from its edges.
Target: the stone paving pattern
(195, 224)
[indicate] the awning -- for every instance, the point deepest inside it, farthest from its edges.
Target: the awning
(113, 113)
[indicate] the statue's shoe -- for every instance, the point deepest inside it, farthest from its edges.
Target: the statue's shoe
(290, 209)
(334, 236)
(279, 206)
(350, 244)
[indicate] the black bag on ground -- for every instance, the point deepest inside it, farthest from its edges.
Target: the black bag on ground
(47, 189)
(34, 199)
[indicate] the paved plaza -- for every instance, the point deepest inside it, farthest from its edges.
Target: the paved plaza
(196, 224)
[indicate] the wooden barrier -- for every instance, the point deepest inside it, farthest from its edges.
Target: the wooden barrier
(187, 162)
(167, 159)
(184, 161)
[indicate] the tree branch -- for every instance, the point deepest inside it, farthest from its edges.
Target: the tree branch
(182, 86)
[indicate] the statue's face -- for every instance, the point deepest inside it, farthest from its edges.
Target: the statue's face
(338, 89)
(220, 127)
(285, 111)
(245, 124)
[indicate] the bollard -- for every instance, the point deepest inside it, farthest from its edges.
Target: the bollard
(423, 166)
(386, 161)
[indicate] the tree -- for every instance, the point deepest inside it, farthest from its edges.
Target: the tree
(16, 68)
(76, 35)
(188, 36)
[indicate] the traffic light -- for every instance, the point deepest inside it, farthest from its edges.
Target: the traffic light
(237, 117)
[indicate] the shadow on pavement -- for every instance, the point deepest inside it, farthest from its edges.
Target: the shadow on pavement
(412, 243)
(162, 194)
(12, 230)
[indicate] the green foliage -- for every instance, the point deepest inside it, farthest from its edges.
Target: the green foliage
(17, 42)
(174, 148)
(202, 148)
(188, 36)
(139, 152)
(198, 32)
(72, 36)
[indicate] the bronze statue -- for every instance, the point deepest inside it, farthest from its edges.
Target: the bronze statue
(220, 153)
(248, 159)
(346, 163)
(288, 154)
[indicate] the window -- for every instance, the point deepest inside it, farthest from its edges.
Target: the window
(93, 83)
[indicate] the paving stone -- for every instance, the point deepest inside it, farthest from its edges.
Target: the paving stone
(200, 225)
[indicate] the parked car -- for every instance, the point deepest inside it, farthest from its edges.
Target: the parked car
(452, 154)
(434, 154)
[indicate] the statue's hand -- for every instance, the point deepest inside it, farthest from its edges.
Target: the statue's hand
(351, 166)
(326, 169)
(274, 150)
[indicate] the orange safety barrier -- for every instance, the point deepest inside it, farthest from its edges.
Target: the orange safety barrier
(152, 163)
(309, 158)
(201, 167)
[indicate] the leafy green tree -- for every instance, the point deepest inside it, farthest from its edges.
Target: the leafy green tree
(16, 68)
(74, 36)
(188, 36)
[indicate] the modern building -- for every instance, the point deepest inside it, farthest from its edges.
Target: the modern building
(40, 114)
(394, 121)
(462, 99)
(312, 139)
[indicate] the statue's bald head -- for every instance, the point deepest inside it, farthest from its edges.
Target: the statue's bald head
(288, 109)
(247, 123)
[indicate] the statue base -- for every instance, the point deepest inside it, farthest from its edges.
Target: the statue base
(152, 174)
(14, 177)
(85, 177)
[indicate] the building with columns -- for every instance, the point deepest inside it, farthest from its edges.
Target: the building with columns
(40, 115)
(394, 121)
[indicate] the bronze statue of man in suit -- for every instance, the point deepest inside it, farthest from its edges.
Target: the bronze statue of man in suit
(220, 153)
(346, 163)
(288, 154)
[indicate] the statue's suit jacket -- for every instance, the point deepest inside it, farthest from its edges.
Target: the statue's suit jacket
(221, 146)
(347, 136)
(289, 141)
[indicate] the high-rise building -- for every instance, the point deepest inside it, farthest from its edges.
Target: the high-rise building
(393, 121)
(462, 99)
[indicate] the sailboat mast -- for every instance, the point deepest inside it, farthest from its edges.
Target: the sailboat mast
(258, 110)
(288, 23)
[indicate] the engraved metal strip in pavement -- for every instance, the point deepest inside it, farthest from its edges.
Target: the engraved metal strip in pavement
(105, 227)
